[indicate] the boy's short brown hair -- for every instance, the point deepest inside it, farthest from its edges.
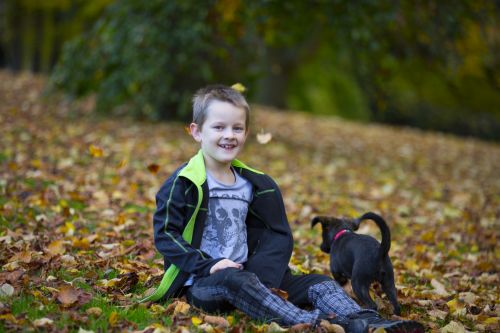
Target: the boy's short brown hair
(219, 92)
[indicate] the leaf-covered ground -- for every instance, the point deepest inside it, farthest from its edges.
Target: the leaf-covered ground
(77, 196)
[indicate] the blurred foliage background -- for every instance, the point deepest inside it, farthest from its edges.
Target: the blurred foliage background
(428, 64)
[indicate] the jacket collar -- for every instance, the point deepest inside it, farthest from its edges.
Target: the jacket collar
(195, 169)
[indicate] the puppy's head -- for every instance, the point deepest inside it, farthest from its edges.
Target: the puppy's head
(330, 226)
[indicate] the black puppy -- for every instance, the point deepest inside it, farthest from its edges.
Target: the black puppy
(360, 258)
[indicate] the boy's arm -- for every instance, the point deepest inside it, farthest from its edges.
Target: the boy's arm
(169, 222)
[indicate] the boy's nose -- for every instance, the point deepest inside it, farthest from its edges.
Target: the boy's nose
(229, 133)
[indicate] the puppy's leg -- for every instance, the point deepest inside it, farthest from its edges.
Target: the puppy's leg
(361, 288)
(389, 289)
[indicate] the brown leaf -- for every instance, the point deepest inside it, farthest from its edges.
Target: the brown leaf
(216, 321)
(68, 295)
(281, 293)
(299, 328)
(94, 311)
(153, 168)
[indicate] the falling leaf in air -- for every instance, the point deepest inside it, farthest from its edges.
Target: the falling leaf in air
(239, 87)
(153, 168)
(264, 137)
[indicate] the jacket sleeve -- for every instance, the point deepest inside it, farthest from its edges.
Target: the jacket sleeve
(169, 222)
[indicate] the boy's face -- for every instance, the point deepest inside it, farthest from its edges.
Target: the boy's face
(222, 135)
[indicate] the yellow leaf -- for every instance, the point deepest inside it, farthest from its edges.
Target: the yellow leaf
(380, 330)
(95, 151)
(411, 264)
(81, 243)
(428, 236)
(491, 321)
(239, 87)
(196, 321)
(9, 317)
(113, 318)
(455, 306)
(56, 247)
(302, 269)
(182, 308)
(275, 328)
(156, 308)
(68, 229)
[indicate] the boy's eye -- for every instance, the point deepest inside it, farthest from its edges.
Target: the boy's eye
(239, 129)
(218, 127)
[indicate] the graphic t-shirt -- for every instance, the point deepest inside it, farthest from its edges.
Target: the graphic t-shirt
(225, 232)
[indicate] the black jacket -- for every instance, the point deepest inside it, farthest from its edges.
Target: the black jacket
(182, 205)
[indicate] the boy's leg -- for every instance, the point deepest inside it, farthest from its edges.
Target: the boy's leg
(320, 291)
(244, 291)
(328, 296)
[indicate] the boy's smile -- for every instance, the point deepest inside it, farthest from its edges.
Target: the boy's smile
(222, 135)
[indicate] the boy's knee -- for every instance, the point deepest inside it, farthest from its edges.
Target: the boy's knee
(236, 279)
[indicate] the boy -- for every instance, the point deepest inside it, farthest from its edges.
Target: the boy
(222, 229)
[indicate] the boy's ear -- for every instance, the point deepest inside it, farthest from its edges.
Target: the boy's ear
(195, 131)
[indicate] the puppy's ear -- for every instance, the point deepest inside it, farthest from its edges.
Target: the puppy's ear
(316, 220)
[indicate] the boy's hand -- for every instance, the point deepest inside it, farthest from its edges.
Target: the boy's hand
(225, 263)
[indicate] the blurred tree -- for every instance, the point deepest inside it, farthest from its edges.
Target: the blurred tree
(147, 57)
(32, 32)
(426, 63)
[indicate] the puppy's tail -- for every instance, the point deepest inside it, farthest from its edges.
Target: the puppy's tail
(385, 245)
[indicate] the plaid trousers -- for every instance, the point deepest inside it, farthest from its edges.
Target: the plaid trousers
(232, 288)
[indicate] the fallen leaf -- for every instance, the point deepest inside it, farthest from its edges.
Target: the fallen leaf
(181, 308)
(68, 295)
(207, 328)
(439, 288)
(435, 313)
(299, 328)
(216, 321)
(56, 248)
(81, 330)
(94, 311)
(95, 151)
(275, 328)
(196, 321)
(113, 318)
(331, 328)
(6, 290)
(453, 327)
(43, 322)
